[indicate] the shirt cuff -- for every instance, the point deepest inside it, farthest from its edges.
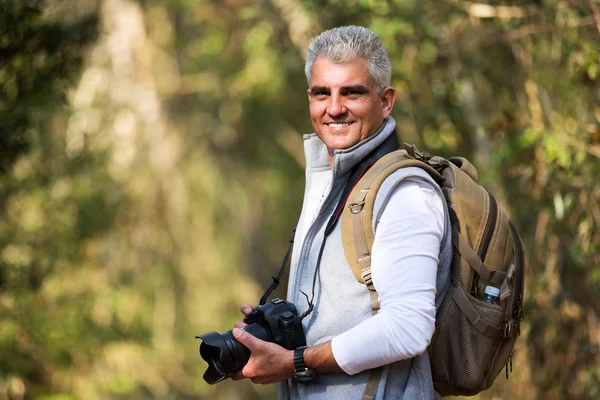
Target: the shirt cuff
(339, 353)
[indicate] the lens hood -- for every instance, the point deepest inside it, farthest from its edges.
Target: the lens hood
(215, 351)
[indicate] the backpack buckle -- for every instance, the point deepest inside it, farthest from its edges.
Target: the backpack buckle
(366, 275)
(356, 207)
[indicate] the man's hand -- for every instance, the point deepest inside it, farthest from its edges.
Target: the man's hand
(271, 363)
(268, 363)
(246, 309)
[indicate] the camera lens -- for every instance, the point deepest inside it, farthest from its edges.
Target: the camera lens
(224, 354)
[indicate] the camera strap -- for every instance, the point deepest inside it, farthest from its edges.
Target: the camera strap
(277, 279)
(311, 305)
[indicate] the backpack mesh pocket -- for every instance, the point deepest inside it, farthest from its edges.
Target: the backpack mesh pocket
(461, 356)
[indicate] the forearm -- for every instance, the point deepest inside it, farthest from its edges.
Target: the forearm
(321, 359)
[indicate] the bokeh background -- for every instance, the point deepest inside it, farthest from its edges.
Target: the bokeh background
(151, 171)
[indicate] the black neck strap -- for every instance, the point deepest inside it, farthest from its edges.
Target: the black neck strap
(277, 279)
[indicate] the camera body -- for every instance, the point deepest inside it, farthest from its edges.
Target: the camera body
(281, 319)
(276, 321)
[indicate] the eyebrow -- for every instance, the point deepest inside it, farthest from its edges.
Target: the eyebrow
(352, 88)
(319, 89)
(355, 88)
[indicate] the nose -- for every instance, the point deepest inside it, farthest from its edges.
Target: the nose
(336, 105)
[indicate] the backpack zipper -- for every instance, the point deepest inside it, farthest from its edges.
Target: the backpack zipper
(489, 228)
(519, 255)
(485, 240)
(509, 363)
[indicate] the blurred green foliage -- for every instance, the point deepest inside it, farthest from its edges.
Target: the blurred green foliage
(151, 170)
(38, 60)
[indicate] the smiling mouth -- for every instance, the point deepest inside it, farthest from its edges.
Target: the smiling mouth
(339, 125)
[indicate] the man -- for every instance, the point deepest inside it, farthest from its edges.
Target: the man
(351, 98)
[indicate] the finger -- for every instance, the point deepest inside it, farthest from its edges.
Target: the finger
(237, 375)
(246, 339)
(246, 309)
(239, 324)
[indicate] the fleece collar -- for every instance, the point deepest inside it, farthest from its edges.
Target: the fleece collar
(344, 160)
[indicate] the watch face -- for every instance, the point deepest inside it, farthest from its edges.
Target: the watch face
(305, 376)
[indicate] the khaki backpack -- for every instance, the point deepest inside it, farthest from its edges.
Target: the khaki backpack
(473, 340)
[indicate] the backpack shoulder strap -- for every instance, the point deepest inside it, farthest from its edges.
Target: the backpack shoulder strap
(357, 217)
(357, 228)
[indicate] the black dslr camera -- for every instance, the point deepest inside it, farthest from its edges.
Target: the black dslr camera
(276, 321)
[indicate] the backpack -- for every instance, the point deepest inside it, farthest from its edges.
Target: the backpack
(473, 340)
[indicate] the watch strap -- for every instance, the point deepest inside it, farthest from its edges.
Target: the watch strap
(299, 364)
(301, 372)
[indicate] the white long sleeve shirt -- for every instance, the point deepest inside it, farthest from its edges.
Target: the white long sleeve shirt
(404, 266)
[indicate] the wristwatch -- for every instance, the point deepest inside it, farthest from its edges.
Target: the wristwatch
(301, 372)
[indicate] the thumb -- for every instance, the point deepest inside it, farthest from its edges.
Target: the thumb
(245, 338)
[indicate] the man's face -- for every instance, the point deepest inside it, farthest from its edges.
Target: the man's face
(344, 105)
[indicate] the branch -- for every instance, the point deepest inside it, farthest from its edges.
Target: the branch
(533, 29)
(595, 13)
(470, 40)
(299, 22)
(479, 10)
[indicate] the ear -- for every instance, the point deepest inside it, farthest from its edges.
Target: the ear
(388, 98)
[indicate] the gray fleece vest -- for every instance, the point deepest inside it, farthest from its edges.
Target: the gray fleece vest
(341, 302)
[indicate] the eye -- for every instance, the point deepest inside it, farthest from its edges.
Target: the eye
(319, 94)
(353, 93)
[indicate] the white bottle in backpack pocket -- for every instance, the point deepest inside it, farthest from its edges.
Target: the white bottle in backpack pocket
(490, 294)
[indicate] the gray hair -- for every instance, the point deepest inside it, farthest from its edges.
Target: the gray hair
(340, 45)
